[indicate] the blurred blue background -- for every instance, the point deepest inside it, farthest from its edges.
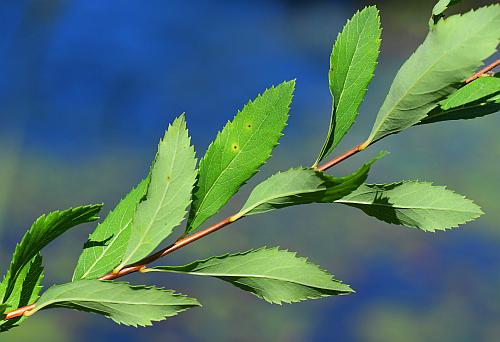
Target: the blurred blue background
(87, 88)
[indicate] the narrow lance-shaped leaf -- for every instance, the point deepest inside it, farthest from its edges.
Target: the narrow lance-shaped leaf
(438, 11)
(452, 51)
(301, 186)
(479, 89)
(44, 230)
(107, 245)
(476, 99)
(352, 64)
(169, 193)
(238, 151)
(468, 111)
(25, 290)
(413, 204)
(269, 273)
(27, 284)
(123, 303)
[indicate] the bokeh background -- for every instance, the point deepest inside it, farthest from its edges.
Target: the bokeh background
(87, 88)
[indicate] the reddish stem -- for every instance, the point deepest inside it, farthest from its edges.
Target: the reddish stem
(341, 158)
(19, 312)
(140, 265)
(483, 71)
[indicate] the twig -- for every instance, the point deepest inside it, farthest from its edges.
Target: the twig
(483, 71)
(184, 241)
(342, 157)
(19, 312)
(141, 265)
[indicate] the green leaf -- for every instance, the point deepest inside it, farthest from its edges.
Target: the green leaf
(301, 186)
(414, 204)
(476, 90)
(451, 52)
(169, 194)
(439, 9)
(471, 110)
(123, 303)
(238, 151)
(352, 64)
(107, 245)
(271, 274)
(25, 291)
(476, 99)
(27, 285)
(44, 230)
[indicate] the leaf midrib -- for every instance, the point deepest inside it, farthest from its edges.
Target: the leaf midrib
(267, 199)
(101, 300)
(145, 232)
(333, 124)
(233, 275)
(404, 207)
(458, 109)
(351, 64)
(229, 164)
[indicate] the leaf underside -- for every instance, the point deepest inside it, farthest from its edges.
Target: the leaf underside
(107, 245)
(414, 204)
(272, 274)
(452, 51)
(302, 186)
(123, 303)
(169, 193)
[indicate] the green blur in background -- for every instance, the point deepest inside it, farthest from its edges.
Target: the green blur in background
(88, 87)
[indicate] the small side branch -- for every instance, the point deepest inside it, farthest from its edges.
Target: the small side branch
(342, 157)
